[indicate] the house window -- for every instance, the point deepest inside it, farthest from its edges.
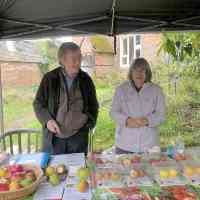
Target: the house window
(130, 48)
(88, 60)
(125, 51)
(11, 46)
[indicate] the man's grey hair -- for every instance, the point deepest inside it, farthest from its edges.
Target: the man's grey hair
(66, 46)
(140, 63)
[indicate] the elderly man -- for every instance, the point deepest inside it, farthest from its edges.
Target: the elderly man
(66, 104)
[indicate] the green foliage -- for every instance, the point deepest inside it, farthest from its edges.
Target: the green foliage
(44, 68)
(181, 46)
(48, 49)
(101, 44)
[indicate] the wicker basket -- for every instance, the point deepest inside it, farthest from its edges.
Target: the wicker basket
(26, 191)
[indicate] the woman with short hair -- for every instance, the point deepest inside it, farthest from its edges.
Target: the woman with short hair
(138, 108)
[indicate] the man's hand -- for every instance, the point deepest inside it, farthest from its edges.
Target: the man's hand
(53, 126)
(136, 122)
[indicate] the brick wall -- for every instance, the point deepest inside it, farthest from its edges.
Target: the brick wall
(20, 74)
(150, 45)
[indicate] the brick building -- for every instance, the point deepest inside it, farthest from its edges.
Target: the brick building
(131, 46)
(99, 57)
(98, 53)
(20, 60)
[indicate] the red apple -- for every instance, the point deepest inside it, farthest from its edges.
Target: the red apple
(4, 187)
(17, 177)
(136, 159)
(16, 168)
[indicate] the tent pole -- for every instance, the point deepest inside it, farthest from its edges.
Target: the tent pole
(113, 17)
(1, 109)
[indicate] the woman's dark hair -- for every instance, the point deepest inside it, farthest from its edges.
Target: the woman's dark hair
(140, 63)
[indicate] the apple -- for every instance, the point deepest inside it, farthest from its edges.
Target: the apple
(16, 169)
(189, 171)
(173, 173)
(197, 170)
(54, 179)
(4, 180)
(14, 185)
(164, 174)
(83, 173)
(134, 173)
(25, 182)
(127, 162)
(30, 175)
(17, 177)
(115, 176)
(3, 172)
(107, 175)
(4, 187)
(136, 159)
(82, 186)
(141, 173)
(61, 169)
(49, 171)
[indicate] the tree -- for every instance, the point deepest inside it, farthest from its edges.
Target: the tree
(180, 45)
(48, 49)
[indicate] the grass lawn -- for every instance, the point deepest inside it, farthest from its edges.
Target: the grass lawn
(18, 113)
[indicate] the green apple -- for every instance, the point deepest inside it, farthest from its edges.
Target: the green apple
(49, 171)
(83, 173)
(25, 182)
(54, 179)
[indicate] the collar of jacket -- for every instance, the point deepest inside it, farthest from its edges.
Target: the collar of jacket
(146, 85)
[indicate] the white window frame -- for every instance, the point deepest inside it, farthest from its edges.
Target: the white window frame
(136, 47)
(121, 51)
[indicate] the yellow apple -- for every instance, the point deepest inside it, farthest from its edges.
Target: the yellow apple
(14, 185)
(173, 173)
(134, 173)
(197, 170)
(3, 172)
(189, 171)
(164, 174)
(126, 162)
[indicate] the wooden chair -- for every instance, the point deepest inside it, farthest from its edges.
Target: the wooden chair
(26, 141)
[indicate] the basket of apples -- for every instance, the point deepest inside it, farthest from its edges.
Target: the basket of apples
(19, 181)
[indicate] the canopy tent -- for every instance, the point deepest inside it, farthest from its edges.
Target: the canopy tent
(28, 19)
(36, 19)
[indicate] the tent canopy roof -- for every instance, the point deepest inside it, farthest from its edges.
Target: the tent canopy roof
(36, 18)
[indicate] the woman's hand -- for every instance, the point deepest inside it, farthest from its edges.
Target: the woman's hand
(136, 122)
(143, 121)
